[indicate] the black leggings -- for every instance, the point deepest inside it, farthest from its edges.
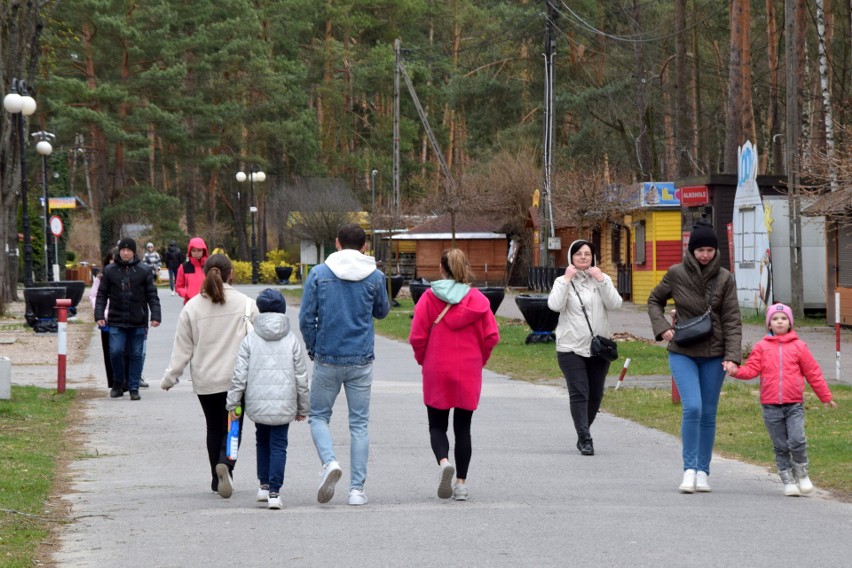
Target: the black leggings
(438, 424)
(585, 378)
(216, 416)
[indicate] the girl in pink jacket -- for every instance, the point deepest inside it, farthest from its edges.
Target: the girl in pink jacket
(784, 362)
(190, 275)
(453, 334)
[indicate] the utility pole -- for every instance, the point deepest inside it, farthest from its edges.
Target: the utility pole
(547, 229)
(793, 123)
(396, 50)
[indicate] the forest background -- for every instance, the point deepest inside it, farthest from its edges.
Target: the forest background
(156, 104)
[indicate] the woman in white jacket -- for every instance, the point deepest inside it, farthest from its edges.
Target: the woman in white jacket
(271, 375)
(584, 373)
(209, 331)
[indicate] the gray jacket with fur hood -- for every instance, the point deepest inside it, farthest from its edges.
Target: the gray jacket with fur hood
(271, 371)
(686, 284)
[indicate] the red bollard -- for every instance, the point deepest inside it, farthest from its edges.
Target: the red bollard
(61, 341)
(675, 393)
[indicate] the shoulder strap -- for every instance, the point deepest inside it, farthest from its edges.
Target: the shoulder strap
(584, 309)
(441, 315)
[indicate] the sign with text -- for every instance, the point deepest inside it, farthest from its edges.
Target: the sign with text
(63, 202)
(694, 195)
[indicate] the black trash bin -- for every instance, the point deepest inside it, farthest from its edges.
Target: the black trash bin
(541, 319)
(283, 273)
(495, 296)
(417, 287)
(396, 282)
(74, 290)
(39, 307)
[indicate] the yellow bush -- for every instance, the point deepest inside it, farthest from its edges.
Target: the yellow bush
(241, 272)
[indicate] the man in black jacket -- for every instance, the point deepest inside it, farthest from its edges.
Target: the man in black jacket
(128, 285)
(173, 258)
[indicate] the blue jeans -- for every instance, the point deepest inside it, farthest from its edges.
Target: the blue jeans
(172, 277)
(786, 426)
(271, 454)
(357, 381)
(133, 340)
(699, 381)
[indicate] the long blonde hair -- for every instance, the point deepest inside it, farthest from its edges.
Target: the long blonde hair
(217, 271)
(456, 266)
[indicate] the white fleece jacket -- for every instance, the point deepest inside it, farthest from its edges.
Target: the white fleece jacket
(207, 339)
(572, 331)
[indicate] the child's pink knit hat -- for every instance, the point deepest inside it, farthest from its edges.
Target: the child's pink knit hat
(783, 308)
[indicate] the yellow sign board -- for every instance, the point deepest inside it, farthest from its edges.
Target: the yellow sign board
(63, 202)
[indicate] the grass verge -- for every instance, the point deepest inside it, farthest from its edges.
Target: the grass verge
(33, 427)
(740, 432)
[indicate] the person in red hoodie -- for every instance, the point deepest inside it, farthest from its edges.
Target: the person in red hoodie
(453, 333)
(784, 362)
(190, 275)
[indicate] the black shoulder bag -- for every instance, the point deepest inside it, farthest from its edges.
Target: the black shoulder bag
(602, 347)
(697, 329)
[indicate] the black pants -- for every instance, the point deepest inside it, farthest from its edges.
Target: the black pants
(438, 423)
(585, 378)
(216, 416)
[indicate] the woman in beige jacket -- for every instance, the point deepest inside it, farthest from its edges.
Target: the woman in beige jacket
(585, 374)
(210, 329)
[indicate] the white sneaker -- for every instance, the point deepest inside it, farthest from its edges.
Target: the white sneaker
(802, 479)
(226, 488)
(688, 483)
(445, 486)
(791, 489)
(263, 494)
(173, 293)
(274, 501)
(701, 484)
(328, 478)
(357, 497)
(460, 493)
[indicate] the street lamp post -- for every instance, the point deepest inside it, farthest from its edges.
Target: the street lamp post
(254, 175)
(19, 103)
(44, 148)
(373, 211)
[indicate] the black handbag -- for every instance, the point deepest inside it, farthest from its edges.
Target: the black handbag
(602, 347)
(697, 329)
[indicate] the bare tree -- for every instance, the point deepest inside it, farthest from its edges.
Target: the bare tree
(587, 198)
(321, 206)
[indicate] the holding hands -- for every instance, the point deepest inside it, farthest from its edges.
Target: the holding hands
(730, 367)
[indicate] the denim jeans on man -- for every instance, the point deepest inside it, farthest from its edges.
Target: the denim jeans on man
(271, 446)
(133, 340)
(699, 382)
(786, 426)
(325, 386)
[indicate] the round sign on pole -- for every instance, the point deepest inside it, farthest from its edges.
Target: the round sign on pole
(56, 226)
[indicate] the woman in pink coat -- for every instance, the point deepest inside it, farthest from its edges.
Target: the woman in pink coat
(453, 333)
(190, 275)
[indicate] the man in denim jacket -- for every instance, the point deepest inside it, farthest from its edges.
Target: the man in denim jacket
(340, 299)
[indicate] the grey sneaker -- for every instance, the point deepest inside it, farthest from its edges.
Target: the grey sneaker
(800, 470)
(328, 478)
(445, 486)
(460, 493)
(226, 489)
(357, 497)
(791, 489)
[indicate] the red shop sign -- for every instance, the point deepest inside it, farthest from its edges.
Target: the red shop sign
(694, 195)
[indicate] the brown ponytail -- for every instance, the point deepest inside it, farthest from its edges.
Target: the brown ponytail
(456, 266)
(217, 271)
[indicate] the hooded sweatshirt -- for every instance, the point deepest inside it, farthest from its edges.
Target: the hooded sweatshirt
(340, 299)
(271, 371)
(190, 275)
(453, 352)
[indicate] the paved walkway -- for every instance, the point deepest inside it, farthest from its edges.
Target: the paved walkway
(139, 493)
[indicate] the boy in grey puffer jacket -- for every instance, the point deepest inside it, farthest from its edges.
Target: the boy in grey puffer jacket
(270, 371)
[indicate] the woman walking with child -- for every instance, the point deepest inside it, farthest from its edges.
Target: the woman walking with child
(705, 295)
